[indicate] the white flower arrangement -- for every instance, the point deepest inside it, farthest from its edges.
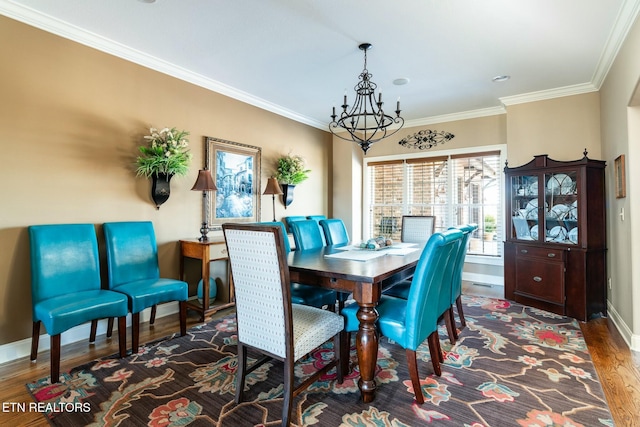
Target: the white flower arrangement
(167, 153)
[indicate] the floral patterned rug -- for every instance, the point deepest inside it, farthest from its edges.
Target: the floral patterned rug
(513, 365)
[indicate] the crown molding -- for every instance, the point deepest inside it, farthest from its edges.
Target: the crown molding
(624, 21)
(626, 17)
(464, 115)
(542, 95)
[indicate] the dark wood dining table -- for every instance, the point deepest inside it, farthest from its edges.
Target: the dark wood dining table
(366, 280)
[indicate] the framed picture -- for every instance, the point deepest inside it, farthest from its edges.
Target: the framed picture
(235, 169)
(621, 184)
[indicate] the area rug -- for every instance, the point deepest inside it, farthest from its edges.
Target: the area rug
(512, 365)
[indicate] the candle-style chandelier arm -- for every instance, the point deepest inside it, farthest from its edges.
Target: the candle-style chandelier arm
(366, 122)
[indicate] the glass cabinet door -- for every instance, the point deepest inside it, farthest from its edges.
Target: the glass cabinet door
(524, 204)
(561, 216)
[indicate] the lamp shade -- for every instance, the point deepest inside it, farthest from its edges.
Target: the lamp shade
(204, 181)
(272, 187)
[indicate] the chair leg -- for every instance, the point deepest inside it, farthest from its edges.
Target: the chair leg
(338, 346)
(109, 327)
(345, 353)
(94, 329)
(153, 314)
(453, 323)
(460, 312)
(122, 334)
(241, 373)
(450, 326)
(435, 352)
(288, 391)
(35, 338)
(135, 332)
(55, 358)
(183, 317)
(412, 362)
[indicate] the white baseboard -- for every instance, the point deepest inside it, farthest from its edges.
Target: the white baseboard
(632, 340)
(19, 349)
(483, 278)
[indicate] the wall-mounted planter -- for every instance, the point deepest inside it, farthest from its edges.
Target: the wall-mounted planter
(287, 194)
(160, 188)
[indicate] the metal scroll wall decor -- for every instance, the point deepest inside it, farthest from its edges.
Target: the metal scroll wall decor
(425, 139)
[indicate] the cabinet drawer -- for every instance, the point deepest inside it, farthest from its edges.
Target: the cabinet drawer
(542, 280)
(218, 251)
(524, 251)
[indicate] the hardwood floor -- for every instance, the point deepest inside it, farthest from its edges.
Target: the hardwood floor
(618, 368)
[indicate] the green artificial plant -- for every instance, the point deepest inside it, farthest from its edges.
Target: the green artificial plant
(167, 153)
(290, 169)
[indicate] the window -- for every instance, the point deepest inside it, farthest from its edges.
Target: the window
(457, 189)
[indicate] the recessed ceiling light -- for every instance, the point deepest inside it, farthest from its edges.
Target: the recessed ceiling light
(401, 81)
(498, 79)
(147, 1)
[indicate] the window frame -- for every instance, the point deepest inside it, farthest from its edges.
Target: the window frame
(461, 152)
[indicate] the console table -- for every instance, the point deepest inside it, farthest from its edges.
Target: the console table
(213, 249)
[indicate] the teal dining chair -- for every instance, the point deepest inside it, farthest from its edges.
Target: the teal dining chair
(456, 279)
(290, 219)
(268, 323)
(335, 232)
(306, 234)
(408, 322)
(65, 287)
(317, 219)
(306, 294)
(132, 266)
(403, 290)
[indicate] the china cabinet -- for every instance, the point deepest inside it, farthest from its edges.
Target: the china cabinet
(555, 245)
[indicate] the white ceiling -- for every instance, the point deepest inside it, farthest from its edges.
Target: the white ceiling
(297, 58)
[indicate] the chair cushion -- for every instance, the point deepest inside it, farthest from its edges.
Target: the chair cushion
(399, 290)
(145, 293)
(62, 313)
(391, 311)
(312, 327)
(312, 295)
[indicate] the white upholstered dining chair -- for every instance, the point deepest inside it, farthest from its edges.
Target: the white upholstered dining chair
(267, 320)
(417, 228)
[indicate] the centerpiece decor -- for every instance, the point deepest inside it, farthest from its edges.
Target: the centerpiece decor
(166, 155)
(290, 171)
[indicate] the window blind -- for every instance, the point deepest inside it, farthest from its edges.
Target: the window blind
(456, 189)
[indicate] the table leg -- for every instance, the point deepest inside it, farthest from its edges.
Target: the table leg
(367, 349)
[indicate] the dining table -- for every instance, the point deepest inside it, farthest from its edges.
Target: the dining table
(365, 274)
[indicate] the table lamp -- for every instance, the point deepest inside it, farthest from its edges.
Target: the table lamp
(273, 188)
(204, 183)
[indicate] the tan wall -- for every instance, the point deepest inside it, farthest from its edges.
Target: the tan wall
(71, 119)
(621, 135)
(560, 127)
(478, 132)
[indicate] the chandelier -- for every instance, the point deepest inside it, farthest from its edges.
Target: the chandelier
(366, 121)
